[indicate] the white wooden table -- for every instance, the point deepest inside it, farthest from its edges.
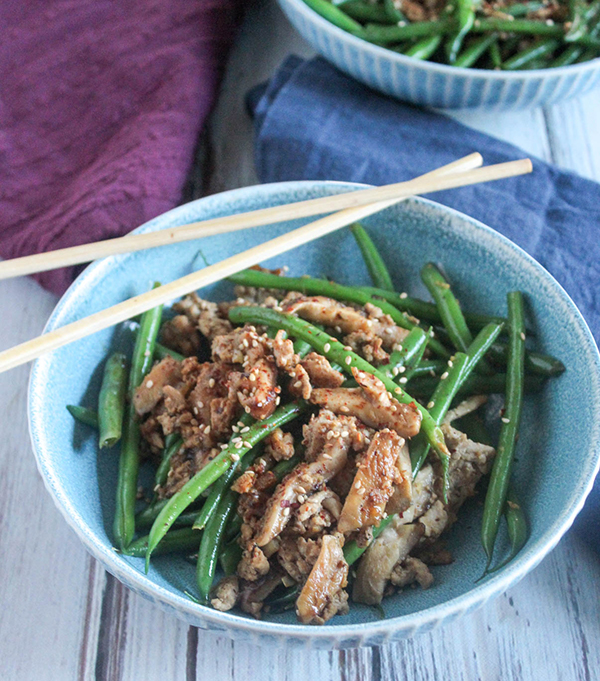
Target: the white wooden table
(63, 617)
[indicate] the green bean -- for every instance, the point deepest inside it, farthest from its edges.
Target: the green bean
(364, 11)
(386, 35)
(448, 306)
(184, 539)
(172, 446)
(428, 367)
(215, 469)
(424, 310)
(322, 287)
(393, 12)
(210, 544)
(412, 346)
(148, 515)
(522, 9)
(335, 16)
(465, 15)
(220, 487)
(423, 386)
(521, 26)
(568, 56)
(230, 557)
(439, 404)
(495, 55)
(523, 59)
(161, 351)
(475, 50)
(589, 41)
(535, 362)
(516, 523)
(83, 415)
(334, 351)
(285, 467)
(590, 53)
(124, 524)
(496, 495)
(302, 348)
(286, 601)
(424, 48)
(235, 525)
(583, 15)
(373, 260)
(111, 401)
(459, 369)
(413, 362)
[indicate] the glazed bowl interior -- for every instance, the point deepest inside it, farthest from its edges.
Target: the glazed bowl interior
(558, 423)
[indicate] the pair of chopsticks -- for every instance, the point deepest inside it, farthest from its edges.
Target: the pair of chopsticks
(350, 207)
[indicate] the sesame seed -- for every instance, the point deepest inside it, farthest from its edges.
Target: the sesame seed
(207, 430)
(327, 347)
(245, 430)
(549, 22)
(398, 391)
(254, 343)
(211, 383)
(277, 400)
(252, 377)
(345, 433)
(149, 384)
(450, 363)
(395, 371)
(259, 404)
(195, 410)
(401, 370)
(337, 329)
(430, 405)
(286, 511)
(329, 434)
(235, 457)
(347, 348)
(401, 24)
(298, 384)
(245, 343)
(403, 295)
(200, 405)
(444, 376)
(238, 445)
(235, 429)
(505, 420)
(247, 410)
(224, 446)
(348, 360)
(522, 336)
(403, 379)
(247, 444)
(344, 409)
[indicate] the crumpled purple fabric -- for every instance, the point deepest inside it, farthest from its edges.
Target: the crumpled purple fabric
(101, 103)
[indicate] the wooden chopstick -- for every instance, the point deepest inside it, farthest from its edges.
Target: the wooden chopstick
(129, 308)
(75, 255)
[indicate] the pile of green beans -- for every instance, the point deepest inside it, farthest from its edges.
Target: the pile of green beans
(466, 34)
(462, 359)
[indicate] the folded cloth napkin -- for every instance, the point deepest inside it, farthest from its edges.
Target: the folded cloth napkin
(100, 107)
(313, 122)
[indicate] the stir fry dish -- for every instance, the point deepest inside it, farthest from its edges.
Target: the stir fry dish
(311, 442)
(501, 34)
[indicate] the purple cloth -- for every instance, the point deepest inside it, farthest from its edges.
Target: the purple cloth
(101, 103)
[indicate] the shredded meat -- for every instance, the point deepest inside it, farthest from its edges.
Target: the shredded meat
(322, 595)
(374, 482)
(279, 445)
(320, 371)
(411, 570)
(181, 334)
(307, 477)
(226, 594)
(370, 403)
(205, 314)
(254, 564)
(348, 320)
(150, 392)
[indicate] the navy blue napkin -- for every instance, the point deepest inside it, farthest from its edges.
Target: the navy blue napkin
(313, 122)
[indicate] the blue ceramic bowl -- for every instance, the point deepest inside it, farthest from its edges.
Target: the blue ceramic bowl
(563, 419)
(439, 85)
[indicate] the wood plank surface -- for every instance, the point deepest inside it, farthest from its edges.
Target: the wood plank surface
(63, 617)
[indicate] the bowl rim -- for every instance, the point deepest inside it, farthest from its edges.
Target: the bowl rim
(445, 69)
(369, 631)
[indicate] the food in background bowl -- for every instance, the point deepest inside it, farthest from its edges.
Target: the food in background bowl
(495, 35)
(290, 434)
